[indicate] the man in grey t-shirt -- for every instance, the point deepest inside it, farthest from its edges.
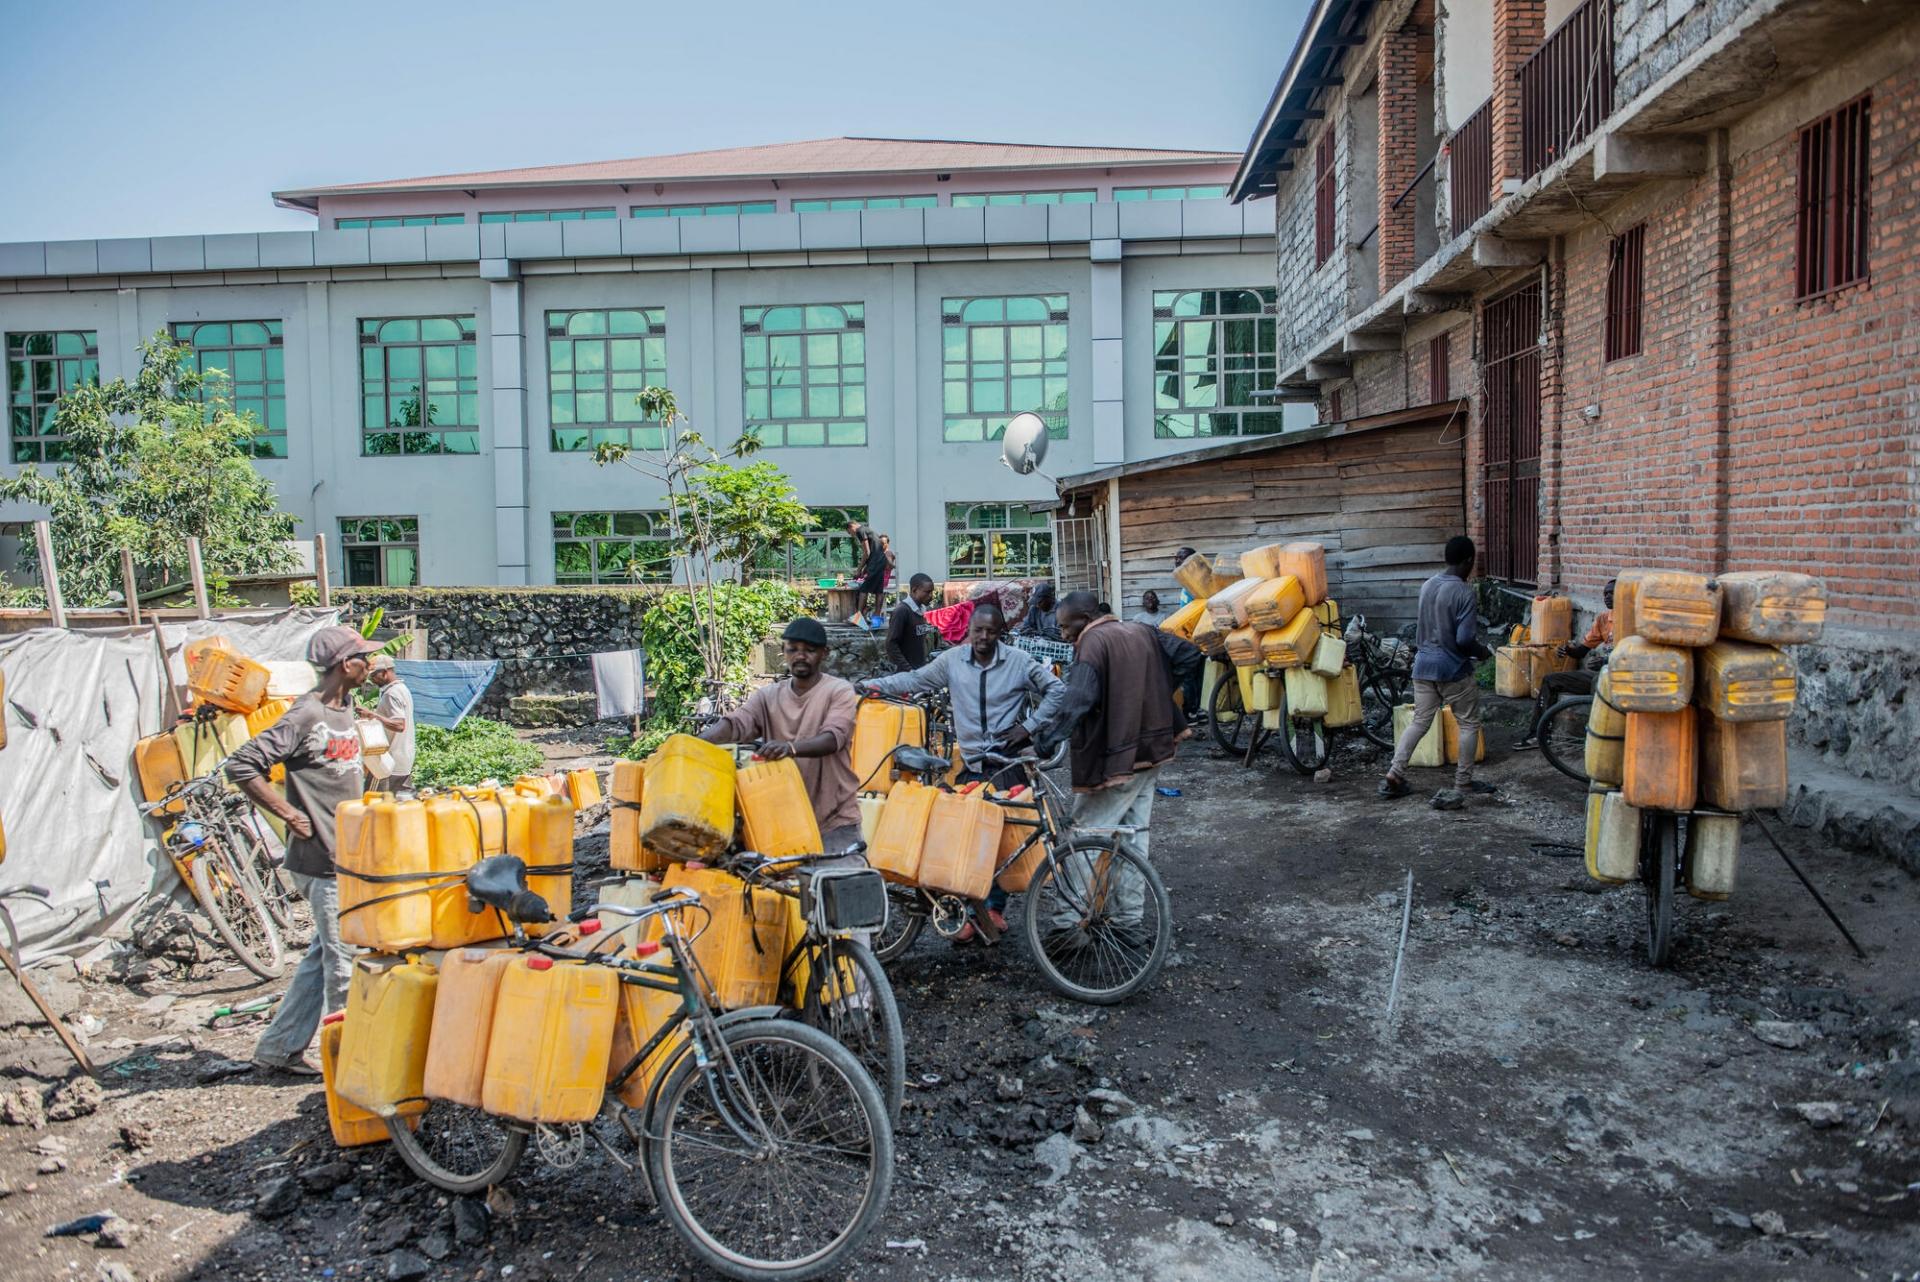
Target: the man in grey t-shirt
(320, 747)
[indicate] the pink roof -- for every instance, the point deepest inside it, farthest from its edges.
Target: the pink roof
(818, 158)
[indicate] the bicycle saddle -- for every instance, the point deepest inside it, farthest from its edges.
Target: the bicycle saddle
(920, 762)
(500, 881)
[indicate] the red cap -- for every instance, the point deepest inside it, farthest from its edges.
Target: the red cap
(539, 963)
(334, 1018)
(646, 948)
(590, 927)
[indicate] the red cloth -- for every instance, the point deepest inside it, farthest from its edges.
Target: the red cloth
(951, 621)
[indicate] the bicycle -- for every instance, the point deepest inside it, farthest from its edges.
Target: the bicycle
(1383, 673)
(1563, 736)
(765, 1143)
(213, 862)
(1079, 906)
(829, 979)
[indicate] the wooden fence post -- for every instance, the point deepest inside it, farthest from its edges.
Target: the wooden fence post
(49, 573)
(320, 570)
(198, 574)
(127, 589)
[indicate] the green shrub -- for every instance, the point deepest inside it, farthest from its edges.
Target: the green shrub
(479, 749)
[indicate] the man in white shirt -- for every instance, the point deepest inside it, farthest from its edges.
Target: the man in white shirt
(395, 712)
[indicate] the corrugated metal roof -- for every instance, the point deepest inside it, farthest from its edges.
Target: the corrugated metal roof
(821, 157)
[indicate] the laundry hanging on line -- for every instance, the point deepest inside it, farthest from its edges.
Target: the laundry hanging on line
(445, 690)
(620, 682)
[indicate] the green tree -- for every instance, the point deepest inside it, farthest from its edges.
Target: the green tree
(748, 510)
(153, 465)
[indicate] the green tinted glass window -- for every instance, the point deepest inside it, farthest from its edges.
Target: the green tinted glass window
(611, 547)
(380, 551)
(400, 220)
(825, 549)
(1212, 349)
(41, 368)
(701, 211)
(998, 541)
(419, 386)
(1001, 357)
(545, 215)
(597, 364)
(977, 199)
(804, 373)
(242, 363)
(1169, 193)
(817, 205)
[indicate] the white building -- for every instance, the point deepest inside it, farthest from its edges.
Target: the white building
(434, 363)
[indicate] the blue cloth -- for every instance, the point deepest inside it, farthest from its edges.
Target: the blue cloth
(445, 690)
(1449, 629)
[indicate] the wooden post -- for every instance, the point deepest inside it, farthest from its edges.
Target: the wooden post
(320, 570)
(169, 695)
(126, 587)
(49, 573)
(198, 574)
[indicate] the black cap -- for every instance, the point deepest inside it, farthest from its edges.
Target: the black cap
(807, 631)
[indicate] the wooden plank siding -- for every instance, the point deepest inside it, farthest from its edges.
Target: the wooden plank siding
(1383, 502)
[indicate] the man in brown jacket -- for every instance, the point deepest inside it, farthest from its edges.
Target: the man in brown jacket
(1119, 718)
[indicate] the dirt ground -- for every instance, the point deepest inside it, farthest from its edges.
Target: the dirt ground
(1542, 1104)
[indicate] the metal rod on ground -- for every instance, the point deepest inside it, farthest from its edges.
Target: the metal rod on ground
(127, 589)
(49, 573)
(1831, 915)
(1400, 955)
(198, 573)
(40, 1002)
(320, 570)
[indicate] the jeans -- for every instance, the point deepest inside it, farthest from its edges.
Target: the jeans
(319, 984)
(1463, 696)
(1082, 879)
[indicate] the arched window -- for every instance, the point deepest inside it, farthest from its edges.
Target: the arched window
(1212, 349)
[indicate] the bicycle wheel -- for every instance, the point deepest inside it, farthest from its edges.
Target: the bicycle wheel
(1659, 871)
(1563, 736)
(226, 890)
(787, 1171)
(1230, 721)
(906, 915)
(458, 1149)
(1376, 710)
(865, 1021)
(282, 902)
(1303, 740)
(1098, 921)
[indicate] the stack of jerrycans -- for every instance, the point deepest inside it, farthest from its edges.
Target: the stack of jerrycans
(1704, 690)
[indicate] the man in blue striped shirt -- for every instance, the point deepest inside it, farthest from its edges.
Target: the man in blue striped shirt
(1448, 638)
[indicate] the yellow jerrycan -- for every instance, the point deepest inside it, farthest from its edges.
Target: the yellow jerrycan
(1613, 836)
(1259, 689)
(381, 856)
(1243, 648)
(1183, 621)
(453, 847)
(1775, 607)
(687, 810)
(1432, 748)
(1511, 672)
(1671, 607)
(540, 833)
(901, 834)
(1306, 562)
(776, 815)
(963, 840)
(1606, 734)
(1450, 735)
(627, 852)
(741, 950)
(551, 1038)
(351, 1125)
(1292, 645)
(583, 788)
(383, 1044)
(262, 717)
(1649, 677)
(1550, 622)
(158, 761)
(1274, 603)
(226, 678)
(1742, 681)
(1343, 699)
(1306, 693)
(1743, 764)
(878, 728)
(643, 1012)
(456, 1067)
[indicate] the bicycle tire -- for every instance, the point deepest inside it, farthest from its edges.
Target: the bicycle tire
(249, 910)
(878, 1041)
(277, 892)
(824, 1065)
(1231, 723)
(1303, 741)
(904, 907)
(413, 1148)
(1659, 872)
(1563, 737)
(1136, 966)
(1376, 711)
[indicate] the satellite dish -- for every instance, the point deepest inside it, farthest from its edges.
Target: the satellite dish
(1024, 445)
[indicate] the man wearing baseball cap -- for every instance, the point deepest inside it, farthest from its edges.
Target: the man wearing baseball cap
(317, 743)
(808, 717)
(395, 712)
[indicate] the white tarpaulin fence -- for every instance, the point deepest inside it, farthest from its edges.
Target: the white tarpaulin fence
(76, 702)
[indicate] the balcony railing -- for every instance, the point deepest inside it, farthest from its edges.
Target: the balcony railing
(1566, 87)
(1470, 168)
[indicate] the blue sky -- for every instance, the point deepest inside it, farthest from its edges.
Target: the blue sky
(142, 119)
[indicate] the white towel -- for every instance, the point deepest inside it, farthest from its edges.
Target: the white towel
(619, 679)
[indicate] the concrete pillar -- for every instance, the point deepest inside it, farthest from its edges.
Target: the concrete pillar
(329, 446)
(122, 357)
(507, 346)
(904, 429)
(1105, 329)
(1518, 28)
(1398, 142)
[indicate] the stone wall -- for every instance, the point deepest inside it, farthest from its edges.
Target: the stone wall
(1858, 705)
(1650, 37)
(540, 634)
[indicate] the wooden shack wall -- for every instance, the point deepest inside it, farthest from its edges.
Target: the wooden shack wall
(1383, 502)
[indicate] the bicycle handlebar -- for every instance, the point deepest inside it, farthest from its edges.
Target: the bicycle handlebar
(993, 758)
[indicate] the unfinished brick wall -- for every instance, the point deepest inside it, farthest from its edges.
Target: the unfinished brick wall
(1399, 161)
(1518, 28)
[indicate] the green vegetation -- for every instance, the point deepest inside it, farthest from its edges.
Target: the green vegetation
(478, 749)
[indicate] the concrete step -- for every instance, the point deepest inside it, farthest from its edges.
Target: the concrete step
(1853, 813)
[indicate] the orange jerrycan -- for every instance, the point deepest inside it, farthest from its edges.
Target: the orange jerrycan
(687, 811)
(383, 1046)
(1243, 647)
(352, 1126)
(456, 1068)
(1262, 562)
(1661, 760)
(643, 1012)
(1551, 620)
(1672, 607)
(774, 809)
(1274, 603)
(963, 839)
(1742, 681)
(741, 950)
(159, 763)
(878, 728)
(540, 833)
(1450, 738)
(1306, 562)
(385, 872)
(901, 834)
(1743, 764)
(226, 679)
(1645, 676)
(627, 852)
(583, 788)
(552, 1034)
(1772, 606)
(1511, 672)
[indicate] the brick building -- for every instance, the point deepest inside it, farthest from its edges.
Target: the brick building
(1666, 252)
